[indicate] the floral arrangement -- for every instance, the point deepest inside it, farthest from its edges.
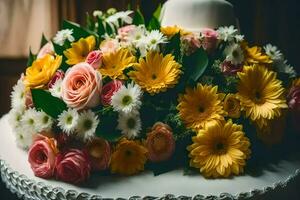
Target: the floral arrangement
(122, 95)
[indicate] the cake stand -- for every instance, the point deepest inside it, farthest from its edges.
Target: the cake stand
(18, 177)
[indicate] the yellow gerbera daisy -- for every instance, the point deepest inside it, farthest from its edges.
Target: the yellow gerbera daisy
(79, 50)
(200, 106)
(254, 55)
(220, 150)
(260, 94)
(156, 73)
(114, 63)
(169, 31)
(129, 158)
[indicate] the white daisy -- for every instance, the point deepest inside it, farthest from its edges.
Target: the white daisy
(273, 52)
(234, 53)
(239, 38)
(30, 121)
(227, 33)
(130, 124)
(68, 120)
(56, 89)
(127, 99)
(154, 38)
(62, 36)
(18, 95)
(44, 121)
(137, 35)
(87, 125)
(122, 16)
(15, 117)
(283, 67)
(24, 139)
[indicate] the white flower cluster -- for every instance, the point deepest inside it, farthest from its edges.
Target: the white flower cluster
(62, 36)
(127, 101)
(82, 125)
(122, 16)
(27, 123)
(144, 40)
(279, 61)
(229, 34)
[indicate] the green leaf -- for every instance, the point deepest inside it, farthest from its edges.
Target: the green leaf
(107, 126)
(31, 58)
(196, 64)
(109, 29)
(78, 31)
(89, 22)
(157, 12)
(101, 29)
(154, 24)
(173, 47)
(138, 18)
(43, 41)
(44, 101)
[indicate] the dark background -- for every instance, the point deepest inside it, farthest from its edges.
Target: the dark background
(261, 21)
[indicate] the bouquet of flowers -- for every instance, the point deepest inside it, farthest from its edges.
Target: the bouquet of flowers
(122, 95)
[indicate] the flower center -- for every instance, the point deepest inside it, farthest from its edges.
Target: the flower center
(69, 120)
(220, 148)
(235, 53)
(131, 123)
(126, 100)
(31, 121)
(153, 41)
(258, 97)
(153, 77)
(201, 109)
(128, 153)
(45, 119)
(87, 124)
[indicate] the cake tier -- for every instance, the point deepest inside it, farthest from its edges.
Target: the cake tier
(16, 173)
(195, 15)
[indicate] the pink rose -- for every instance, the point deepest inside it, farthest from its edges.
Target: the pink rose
(192, 43)
(210, 39)
(59, 74)
(293, 98)
(123, 31)
(230, 69)
(81, 87)
(109, 46)
(94, 58)
(100, 152)
(109, 90)
(42, 156)
(46, 49)
(73, 166)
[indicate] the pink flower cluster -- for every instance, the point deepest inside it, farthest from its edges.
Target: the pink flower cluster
(70, 165)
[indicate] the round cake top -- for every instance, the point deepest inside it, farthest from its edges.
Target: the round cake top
(194, 15)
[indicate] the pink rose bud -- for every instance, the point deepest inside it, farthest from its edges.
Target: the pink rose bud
(109, 90)
(229, 69)
(109, 46)
(192, 43)
(42, 156)
(210, 39)
(94, 58)
(81, 87)
(293, 98)
(100, 152)
(123, 32)
(73, 166)
(59, 74)
(46, 49)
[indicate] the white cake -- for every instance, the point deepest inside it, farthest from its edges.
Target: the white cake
(195, 15)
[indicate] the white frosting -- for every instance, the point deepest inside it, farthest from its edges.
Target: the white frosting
(195, 15)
